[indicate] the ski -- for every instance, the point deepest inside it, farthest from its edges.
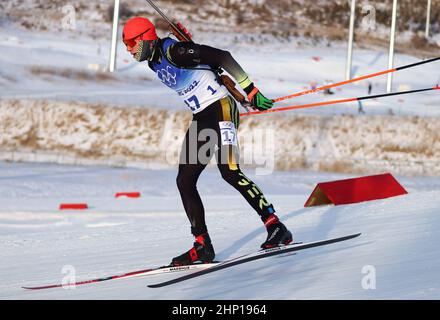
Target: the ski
(138, 273)
(254, 256)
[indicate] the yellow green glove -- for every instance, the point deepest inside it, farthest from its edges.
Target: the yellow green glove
(257, 99)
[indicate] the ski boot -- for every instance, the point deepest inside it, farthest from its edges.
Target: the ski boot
(202, 251)
(277, 233)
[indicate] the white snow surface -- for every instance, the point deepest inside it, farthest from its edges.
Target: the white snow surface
(399, 238)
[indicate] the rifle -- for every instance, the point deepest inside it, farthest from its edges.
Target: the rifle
(182, 34)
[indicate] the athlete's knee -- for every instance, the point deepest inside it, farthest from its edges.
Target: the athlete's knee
(180, 181)
(230, 176)
(186, 179)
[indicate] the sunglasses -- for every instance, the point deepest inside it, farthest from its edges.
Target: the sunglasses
(130, 42)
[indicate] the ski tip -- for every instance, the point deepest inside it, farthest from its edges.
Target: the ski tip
(32, 288)
(39, 288)
(53, 286)
(354, 235)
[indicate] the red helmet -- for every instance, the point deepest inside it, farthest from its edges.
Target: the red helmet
(136, 27)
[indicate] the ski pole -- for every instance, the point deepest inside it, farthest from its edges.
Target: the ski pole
(376, 74)
(176, 29)
(320, 104)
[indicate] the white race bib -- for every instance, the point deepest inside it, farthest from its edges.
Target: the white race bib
(228, 133)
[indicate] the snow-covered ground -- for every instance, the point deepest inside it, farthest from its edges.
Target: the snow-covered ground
(398, 247)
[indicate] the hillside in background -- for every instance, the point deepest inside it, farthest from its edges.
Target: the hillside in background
(316, 22)
(80, 133)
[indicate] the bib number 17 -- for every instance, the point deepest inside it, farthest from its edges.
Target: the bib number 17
(193, 103)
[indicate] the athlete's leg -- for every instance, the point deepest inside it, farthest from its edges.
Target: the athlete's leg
(228, 164)
(248, 189)
(187, 185)
(194, 157)
(190, 168)
(228, 160)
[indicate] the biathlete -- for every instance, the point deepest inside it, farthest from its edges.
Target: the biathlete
(187, 68)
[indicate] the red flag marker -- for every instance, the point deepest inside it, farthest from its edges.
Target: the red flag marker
(128, 195)
(355, 190)
(73, 206)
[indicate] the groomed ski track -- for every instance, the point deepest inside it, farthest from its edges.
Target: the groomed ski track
(397, 254)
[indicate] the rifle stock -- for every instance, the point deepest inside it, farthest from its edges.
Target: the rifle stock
(231, 86)
(180, 32)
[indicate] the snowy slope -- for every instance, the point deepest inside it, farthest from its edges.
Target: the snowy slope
(83, 134)
(399, 236)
